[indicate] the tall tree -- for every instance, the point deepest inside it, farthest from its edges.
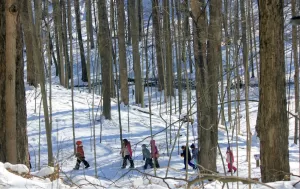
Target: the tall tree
(168, 49)
(84, 76)
(37, 56)
(21, 147)
(207, 74)
(272, 120)
(11, 17)
(59, 40)
(105, 47)
(158, 48)
(90, 23)
(296, 65)
(122, 52)
(21, 115)
(31, 68)
(139, 94)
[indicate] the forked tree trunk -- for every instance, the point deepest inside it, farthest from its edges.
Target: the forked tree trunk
(272, 121)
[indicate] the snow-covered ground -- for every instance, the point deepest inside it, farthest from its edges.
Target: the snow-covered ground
(105, 170)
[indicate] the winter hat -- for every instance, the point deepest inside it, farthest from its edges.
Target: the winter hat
(78, 142)
(192, 146)
(144, 145)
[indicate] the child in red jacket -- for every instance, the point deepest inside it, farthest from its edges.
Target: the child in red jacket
(127, 154)
(154, 153)
(80, 156)
(230, 160)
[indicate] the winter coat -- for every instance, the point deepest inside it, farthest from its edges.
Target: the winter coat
(146, 153)
(184, 154)
(154, 151)
(195, 154)
(79, 151)
(126, 150)
(229, 156)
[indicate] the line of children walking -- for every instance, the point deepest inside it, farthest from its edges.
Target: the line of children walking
(147, 156)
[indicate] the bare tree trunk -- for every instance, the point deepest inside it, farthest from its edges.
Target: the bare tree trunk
(106, 58)
(140, 17)
(31, 68)
(21, 115)
(199, 20)
(37, 58)
(228, 67)
(65, 43)
(58, 26)
(180, 44)
(84, 76)
(2, 84)
(88, 41)
(90, 23)
(128, 23)
(272, 120)
(123, 79)
(11, 16)
(71, 70)
(158, 48)
(139, 92)
(296, 65)
(168, 51)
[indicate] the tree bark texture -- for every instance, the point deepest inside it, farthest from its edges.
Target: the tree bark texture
(122, 53)
(272, 121)
(84, 76)
(139, 93)
(158, 48)
(21, 117)
(105, 47)
(11, 16)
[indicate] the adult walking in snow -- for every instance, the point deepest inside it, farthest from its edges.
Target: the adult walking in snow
(154, 153)
(230, 160)
(126, 154)
(80, 156)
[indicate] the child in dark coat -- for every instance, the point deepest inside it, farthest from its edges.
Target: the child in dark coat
(146, 157)
(127, 154)
(187, 157)
(80, 156)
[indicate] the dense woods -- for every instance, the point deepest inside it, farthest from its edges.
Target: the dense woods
(122, 50)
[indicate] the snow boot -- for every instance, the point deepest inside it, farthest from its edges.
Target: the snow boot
(131, 164)
(76, 167)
